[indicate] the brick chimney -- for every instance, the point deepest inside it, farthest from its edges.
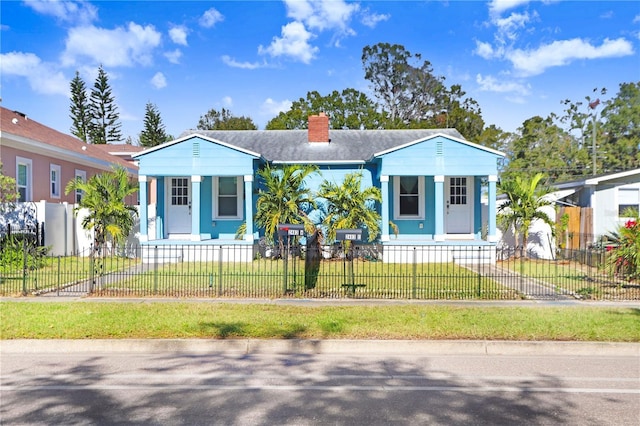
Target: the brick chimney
(319, 128)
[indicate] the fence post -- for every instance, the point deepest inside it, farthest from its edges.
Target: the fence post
(24, 266)
(479, 271)
(92, 268)
(58, 284)
(220, 271)
(414, 290)
(155, 269)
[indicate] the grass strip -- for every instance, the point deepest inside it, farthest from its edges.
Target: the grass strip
(155, 320)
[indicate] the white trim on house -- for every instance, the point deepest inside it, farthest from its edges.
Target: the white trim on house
(396, 199)
(28, 184)
(239, 198)
(82, 174)
(55, 178)
(453, 138)
(191, 136)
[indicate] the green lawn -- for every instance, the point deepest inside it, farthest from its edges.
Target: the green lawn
(98, 320)
(266, 278)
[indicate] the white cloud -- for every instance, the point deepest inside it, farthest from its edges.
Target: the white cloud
(78, 12)
(179, 34)
(496, 7)
(228, 60)
(491, 84)
(273, 108)
(159, 81)
(118, 47)
(227, 101)
(371, 19)
(508, 27)
(322, 14)
(294, 43)
(636, 19)
(43, 77)
(210, 18)
(484, 50)
(563, 52)
(174, 56)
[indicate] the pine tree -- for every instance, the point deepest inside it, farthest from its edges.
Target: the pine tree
(153, 133)
(104, 112)
(80, 111)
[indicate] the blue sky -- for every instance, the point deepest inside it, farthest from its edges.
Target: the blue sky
(516, 58)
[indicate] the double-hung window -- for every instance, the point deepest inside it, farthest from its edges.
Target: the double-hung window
(628, 202)
(227, 197)
(23, 178)
(409, 197)
(54, 172)
(82, 176)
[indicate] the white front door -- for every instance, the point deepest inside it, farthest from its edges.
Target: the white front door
(178, 206)
(458, 205)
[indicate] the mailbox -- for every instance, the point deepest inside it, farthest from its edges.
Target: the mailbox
(290, 230)
(349, 234)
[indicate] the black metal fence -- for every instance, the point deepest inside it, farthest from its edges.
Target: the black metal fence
(361, 271)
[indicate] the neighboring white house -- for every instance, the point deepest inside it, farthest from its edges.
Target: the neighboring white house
(595, 206)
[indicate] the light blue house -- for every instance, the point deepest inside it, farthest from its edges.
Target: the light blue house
(432, 182)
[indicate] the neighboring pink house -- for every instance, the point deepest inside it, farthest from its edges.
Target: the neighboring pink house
(43, 160)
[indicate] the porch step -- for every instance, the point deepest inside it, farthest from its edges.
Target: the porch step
(162, 254)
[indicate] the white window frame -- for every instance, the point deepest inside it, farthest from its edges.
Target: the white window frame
(239, 200)
(628, 200)
(79, 193)
(396, 201)
(28, 187)
(54, 184)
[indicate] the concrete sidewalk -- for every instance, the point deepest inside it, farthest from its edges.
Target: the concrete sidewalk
(331, 346)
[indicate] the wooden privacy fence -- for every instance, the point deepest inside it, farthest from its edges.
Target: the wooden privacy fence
(579, 227)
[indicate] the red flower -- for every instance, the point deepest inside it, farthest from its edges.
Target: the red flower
(630, 224)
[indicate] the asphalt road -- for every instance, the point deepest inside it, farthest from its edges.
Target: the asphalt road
(305, 388)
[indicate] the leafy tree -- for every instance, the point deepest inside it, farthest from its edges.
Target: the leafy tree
(80, 110)
(543, 146)
(284, 198)
(406, 87)
(104, 112)
(104, 196)
(620, 136)
(153, 133)
(349, 109)
(525, 199)
(224, 120)
(8, 190)
(349, 206)
(460, 113)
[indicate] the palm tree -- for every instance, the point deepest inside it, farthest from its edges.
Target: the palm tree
(349, 206)
(104, 196)
(284, 197)
(523, 207)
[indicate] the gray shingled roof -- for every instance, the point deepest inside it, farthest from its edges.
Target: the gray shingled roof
(345, 145)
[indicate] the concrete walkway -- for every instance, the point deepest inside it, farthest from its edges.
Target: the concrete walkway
(330, 346)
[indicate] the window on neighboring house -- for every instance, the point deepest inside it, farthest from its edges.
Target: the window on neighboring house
(23, 178)
(54, 172)
(409, 197)
(82, 175)
(227, 197)
(628, 201)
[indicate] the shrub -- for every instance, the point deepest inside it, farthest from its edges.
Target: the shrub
(623, 257)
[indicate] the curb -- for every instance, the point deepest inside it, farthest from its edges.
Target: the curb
(315, 347)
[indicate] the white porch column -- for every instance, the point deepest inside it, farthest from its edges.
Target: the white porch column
(439, 207)
(143, 207)
(384, 189)
(248, 206)
(491, 206)
(195, 207)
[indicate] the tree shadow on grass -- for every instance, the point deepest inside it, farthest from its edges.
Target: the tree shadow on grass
(223, 330)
